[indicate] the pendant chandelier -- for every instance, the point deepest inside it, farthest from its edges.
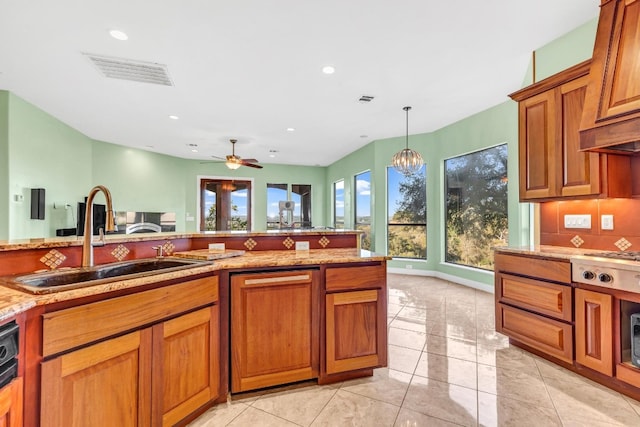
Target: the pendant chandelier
(407, 161)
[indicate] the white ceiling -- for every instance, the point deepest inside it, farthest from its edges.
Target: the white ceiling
(250, 69)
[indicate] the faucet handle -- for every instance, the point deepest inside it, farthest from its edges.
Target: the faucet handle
(159, 250)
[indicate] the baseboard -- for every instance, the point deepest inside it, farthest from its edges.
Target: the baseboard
(444, 276)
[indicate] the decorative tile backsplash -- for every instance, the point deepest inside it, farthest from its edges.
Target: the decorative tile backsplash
(626, 226)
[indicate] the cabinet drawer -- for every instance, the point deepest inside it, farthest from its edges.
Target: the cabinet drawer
(352, 277)
(547, 269)
(547, 335)
(545, 298)
(76, 326)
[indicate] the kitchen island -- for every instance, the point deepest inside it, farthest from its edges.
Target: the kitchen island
(321, 311)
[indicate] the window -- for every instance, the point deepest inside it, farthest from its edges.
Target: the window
(363, 207)
(275, 194)
(476, 206)
(407, 214)
(225, 205)
(338, 204)
(300, 194)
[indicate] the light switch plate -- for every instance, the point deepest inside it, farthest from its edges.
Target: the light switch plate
(606, 222)
(577, 221)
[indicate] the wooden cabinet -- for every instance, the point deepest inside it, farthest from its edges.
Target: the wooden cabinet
(155, 375)
(550, 163)
(611, 117)
(274, 328)
(11, 404)
(355, 319)
(108, 383)
(534, 303)
(594, 341)
(185, 365)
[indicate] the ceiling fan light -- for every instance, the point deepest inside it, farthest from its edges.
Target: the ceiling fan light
(232, 165)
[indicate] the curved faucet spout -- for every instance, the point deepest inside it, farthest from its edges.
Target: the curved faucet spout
(87, 247)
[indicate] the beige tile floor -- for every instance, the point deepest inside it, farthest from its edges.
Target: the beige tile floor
(447, 367)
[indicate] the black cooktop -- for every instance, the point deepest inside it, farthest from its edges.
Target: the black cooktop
(630, 255)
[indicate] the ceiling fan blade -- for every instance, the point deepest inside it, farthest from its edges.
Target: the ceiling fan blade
(251, 165)
(250, 160)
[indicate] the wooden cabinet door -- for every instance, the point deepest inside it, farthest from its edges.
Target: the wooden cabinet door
(107, 384)
(538, 151)
(578, 171)
(11, 404)
(594, 329)
(274, 328)
(186, 366)
(356, 328)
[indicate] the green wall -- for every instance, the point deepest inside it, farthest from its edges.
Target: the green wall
(4, 163)
(44, 153)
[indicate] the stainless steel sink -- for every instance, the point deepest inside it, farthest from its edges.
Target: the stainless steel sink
(65, 279)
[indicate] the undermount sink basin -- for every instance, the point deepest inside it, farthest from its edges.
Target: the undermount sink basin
(65, 279)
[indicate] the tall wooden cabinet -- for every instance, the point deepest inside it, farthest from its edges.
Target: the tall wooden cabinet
(594, 326)
(550, 163)
(96, 372)
(612, 109)
(274, 328)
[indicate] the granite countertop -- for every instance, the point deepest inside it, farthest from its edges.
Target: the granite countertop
(13, 302)
(558, 252)
(57, 242)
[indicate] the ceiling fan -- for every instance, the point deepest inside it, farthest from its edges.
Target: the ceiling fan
(234, 162)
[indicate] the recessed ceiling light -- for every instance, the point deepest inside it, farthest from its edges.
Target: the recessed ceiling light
(193, 150)
(118, 35)
(291, 129)
(328, 69)
(272, 153)
(172, 117)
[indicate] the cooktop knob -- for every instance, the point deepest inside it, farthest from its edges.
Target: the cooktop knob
(588, 275)
(605, 278)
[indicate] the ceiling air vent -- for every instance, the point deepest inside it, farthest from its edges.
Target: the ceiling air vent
(128, 69)
(366, 98)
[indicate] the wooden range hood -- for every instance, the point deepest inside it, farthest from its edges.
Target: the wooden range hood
(611, 115)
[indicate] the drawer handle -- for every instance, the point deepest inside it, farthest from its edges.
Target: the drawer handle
(273, 280)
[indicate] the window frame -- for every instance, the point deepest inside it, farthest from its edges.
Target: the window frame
(201, 182)
(356, 223)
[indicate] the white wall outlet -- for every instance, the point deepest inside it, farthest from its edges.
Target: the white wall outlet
(216, 246)
(606, 222)
(577, 221)
(302, 246)
(408, 266)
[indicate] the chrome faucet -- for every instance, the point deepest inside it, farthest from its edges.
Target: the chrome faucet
(87, 244)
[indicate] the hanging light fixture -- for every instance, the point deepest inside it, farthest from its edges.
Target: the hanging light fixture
(407, 161)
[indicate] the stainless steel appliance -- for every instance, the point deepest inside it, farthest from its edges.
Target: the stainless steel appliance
(614, 270)
(8, 352)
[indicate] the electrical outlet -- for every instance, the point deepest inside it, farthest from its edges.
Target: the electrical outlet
(216, 246)
(408, 266)
(577, 221)
(302, 246)
(606, 222)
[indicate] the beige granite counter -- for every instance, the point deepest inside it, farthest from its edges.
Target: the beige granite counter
(557, 252)
(58, 242)
(13, 302)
